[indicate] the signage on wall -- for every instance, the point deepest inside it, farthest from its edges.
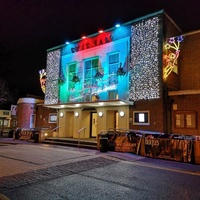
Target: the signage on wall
(13, 110)
(92, 42)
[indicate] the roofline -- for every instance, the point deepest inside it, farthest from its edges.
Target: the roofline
(183, 92)
(192, 33)
(173, 22)
(110, 29)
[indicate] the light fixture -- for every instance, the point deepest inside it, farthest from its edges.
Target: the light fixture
(76, 114)
(117, 25)
(100, 114)
(121, 113)
(101, 31)
(66, 42)
(61, 114)
(83, 37)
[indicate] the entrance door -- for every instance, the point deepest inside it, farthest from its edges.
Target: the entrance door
(116, 120)
(69, 124)
(93, 125)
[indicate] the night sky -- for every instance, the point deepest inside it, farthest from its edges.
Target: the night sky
(29, 27)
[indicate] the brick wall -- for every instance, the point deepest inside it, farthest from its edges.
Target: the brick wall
(189, 64)
(187, 103)
(42, 117)
(157, 122)
(24, 111)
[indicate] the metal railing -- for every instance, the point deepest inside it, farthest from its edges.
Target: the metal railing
(79, 131)
(57, 127)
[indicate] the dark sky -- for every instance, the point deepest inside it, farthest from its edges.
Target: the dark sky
(29, 27)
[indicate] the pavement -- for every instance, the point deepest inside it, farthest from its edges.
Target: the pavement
(38, 161)
(49, 149)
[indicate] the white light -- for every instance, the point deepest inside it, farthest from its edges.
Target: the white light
(121, 113)
(66, 42)
(76, 114)
(117, 25)
(46, 134)
(100, 114)
(61, 114)
(101, 103)
(141, 117)
(77, 105)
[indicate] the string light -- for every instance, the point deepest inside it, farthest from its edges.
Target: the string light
(52, 72)
(144, 72)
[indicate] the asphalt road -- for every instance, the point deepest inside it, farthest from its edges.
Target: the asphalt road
(41, 172)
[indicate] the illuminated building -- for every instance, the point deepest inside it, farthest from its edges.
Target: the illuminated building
(116, 78)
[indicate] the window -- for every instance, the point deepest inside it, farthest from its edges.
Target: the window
(32, 120)
(52, 117)
(113, 94)
(185, 119)
(141, 118)
(113, 61)
(91, 68)
(71, 74)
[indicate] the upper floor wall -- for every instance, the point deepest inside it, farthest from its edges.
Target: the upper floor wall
(189, 62)
(121, 63)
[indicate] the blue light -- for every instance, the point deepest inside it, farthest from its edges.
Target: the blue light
(117, 25)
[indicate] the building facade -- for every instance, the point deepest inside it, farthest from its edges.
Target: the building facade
(185, 101)
(120, 78)
(31, 114)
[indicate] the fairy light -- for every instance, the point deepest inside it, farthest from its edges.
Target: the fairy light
(144, 72)
(52, 72)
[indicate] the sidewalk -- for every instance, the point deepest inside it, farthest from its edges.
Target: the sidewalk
(51, 155)
(5, 140)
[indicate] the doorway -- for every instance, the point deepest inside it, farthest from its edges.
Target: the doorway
(69, 123)
(93, 124)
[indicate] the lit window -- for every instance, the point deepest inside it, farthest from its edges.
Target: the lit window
(141, 118)
(113, 94)
(71, 74)
(90, 70)
(113, 61)
(185, 119)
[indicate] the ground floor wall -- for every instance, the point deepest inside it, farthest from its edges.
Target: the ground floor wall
(185, 114)
(31, 113)
(157, 116)
(88, 123)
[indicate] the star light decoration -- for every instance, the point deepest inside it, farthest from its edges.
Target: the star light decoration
(52, 70)
(144, 68)
(173, 47)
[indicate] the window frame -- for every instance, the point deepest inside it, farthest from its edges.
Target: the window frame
(185, 119)
(53, 115)
(145, 123)
(112, 73)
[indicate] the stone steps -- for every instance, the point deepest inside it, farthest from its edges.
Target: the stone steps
(72, 142)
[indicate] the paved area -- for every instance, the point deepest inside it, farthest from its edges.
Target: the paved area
(25, 163)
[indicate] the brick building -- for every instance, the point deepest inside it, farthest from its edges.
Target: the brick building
(185, 100)
(142, 75)
(31, 113)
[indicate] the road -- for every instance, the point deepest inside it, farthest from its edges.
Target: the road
(41, 172)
